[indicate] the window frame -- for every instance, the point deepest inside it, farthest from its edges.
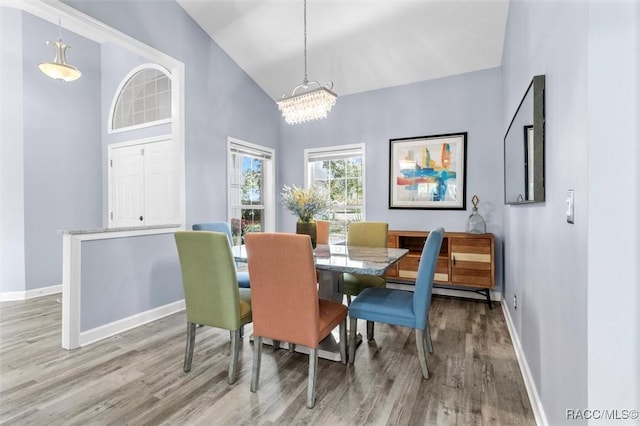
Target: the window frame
(336, 152)
(269, 180)
(123, 83)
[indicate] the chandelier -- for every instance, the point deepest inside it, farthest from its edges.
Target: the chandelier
(312, 103)
(59, 69)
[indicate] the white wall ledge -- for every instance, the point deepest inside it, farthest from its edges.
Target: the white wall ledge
(104, 233)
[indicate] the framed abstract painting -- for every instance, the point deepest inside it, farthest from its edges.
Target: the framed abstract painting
(428, 172)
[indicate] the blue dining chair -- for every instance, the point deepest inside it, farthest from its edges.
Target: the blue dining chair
(243, 277)
(401, 307)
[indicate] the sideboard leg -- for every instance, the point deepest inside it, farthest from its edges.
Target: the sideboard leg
(486, 292)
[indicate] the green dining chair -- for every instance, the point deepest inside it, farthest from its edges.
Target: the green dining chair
(211, 291)
(402, 307)
(365, 234)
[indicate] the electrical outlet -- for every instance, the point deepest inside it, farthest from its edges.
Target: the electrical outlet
(515, 302)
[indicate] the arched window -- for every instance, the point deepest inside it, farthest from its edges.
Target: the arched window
(142, 99)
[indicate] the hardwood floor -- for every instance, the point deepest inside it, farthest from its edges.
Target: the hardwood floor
(136, 378)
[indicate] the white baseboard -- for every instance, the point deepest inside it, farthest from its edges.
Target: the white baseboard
(529, 383)
(10, 296)
(120, 326)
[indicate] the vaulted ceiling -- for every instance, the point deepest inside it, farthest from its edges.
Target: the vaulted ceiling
(358, 44)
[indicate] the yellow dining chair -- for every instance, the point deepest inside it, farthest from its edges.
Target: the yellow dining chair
(365, 234)
(285, 301)
(211, 291)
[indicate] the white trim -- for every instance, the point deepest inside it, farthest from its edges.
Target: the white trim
(122, 233)
(529, 383)
(71, 279)
(309, 152)
(143, 141)
(72, 338)
(125, 80)
(269, 184)
(10, 296)
(120, 326)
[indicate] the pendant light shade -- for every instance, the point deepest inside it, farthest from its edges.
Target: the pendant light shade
(59, 69)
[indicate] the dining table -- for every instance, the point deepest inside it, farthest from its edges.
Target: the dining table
(332, 261)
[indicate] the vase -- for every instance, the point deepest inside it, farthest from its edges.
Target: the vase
(476, 223)
(307, 228)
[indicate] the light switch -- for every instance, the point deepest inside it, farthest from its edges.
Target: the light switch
(570, 197)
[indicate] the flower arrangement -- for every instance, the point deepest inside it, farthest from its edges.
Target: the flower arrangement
(304, 203)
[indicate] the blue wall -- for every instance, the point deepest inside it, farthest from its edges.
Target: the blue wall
(463, 103)
(12, 270)
(62, 149)
(577, 284)
(545, 257)
(123, 277)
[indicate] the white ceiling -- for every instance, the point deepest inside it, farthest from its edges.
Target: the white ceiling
(358, 44)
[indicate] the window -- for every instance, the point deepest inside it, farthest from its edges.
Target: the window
(340, 170)
(251, 195)
(143, 99)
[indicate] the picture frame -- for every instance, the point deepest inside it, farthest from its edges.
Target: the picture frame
(428, 172)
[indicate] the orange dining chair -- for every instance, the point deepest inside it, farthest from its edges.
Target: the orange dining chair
(285, 302)
(365, 234)
(322, 231)
(211, 293)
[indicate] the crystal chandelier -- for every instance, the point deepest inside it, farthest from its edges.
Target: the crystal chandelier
(311, 103)
(59, 69)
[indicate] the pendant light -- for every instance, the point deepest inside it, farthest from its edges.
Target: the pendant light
(59, 69)
(311, 103)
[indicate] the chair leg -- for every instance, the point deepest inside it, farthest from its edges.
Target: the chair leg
(429, 342)
(191, 340)
(242, 332)
(313, 369)
(353, 325)
(422, 356)
(257, 354)
(233, 360)
(343, 342)
(370, 330)
(348, 300)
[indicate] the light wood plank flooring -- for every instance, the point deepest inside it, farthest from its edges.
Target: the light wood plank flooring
(136, 378)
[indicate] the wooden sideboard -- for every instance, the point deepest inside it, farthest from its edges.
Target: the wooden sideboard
(466, 261)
